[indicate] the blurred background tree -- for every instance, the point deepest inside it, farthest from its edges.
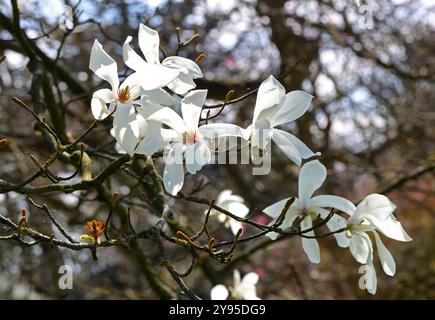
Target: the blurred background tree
(372, 119)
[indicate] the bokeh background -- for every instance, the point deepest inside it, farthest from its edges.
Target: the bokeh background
(372, 118)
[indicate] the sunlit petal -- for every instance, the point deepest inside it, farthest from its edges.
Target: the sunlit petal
(311, 177)
(104, 66)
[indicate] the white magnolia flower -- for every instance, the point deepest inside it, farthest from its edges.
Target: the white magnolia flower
(273, 108)
(311, 177)
(149, 42)
(374, 214)
(243, 289)
(232, 203)
(190, 142)
(123, 96)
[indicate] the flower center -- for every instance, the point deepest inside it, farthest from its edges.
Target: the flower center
(124, 94)
(359, 227)
(304, 212)
(190, 137)
(236, 293)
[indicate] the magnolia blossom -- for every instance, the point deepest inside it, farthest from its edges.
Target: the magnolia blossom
(374, 214)
(243, 288)
(189, 141)
(122, 97)
(273, 108)
(234, 204)
(308, 207)
(149, 42)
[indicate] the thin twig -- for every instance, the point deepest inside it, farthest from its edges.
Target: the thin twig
(59, 227)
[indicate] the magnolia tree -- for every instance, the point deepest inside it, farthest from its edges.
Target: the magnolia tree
(156, 114)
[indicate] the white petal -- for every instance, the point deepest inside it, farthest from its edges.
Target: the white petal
(295, 104)
(234, 198)
(390, 227)
(336, 223)
(169, 135)
(126, 138)
(339, 203)
(304, 151)
(141, 125)
(99, 109)
(173, 174)
(131, 58)
(201, 156)
(286, 146)
(248, 284)
(221, 216)
(250, 295)
(189, 154)
(371, 279)
(149, 43)
(104, 94)
(323, 213)
(104, 66)
(226, 198)
(124, 114)
(170, 118)
(118, 147)
(152, 141)
(147, 107)
(223, 195)
(219, 292)
(219, 130)
(149, 76)
(238, 209)
(191, 107)
(311, 247)
(161, 97)
(247, 133)
(155, 76)
(376, 205)
(272, 235)
(224, 143)
(385, 256)
(311, 177)
(269, 96)
(182, 84)
(287, 223)
(112, 106)
(261, 133)
(359, 247)
(184, 65)
(250, 279)
(98, 103)
(378, 210)
(235, 226)
(188, 69)
(274, 210)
